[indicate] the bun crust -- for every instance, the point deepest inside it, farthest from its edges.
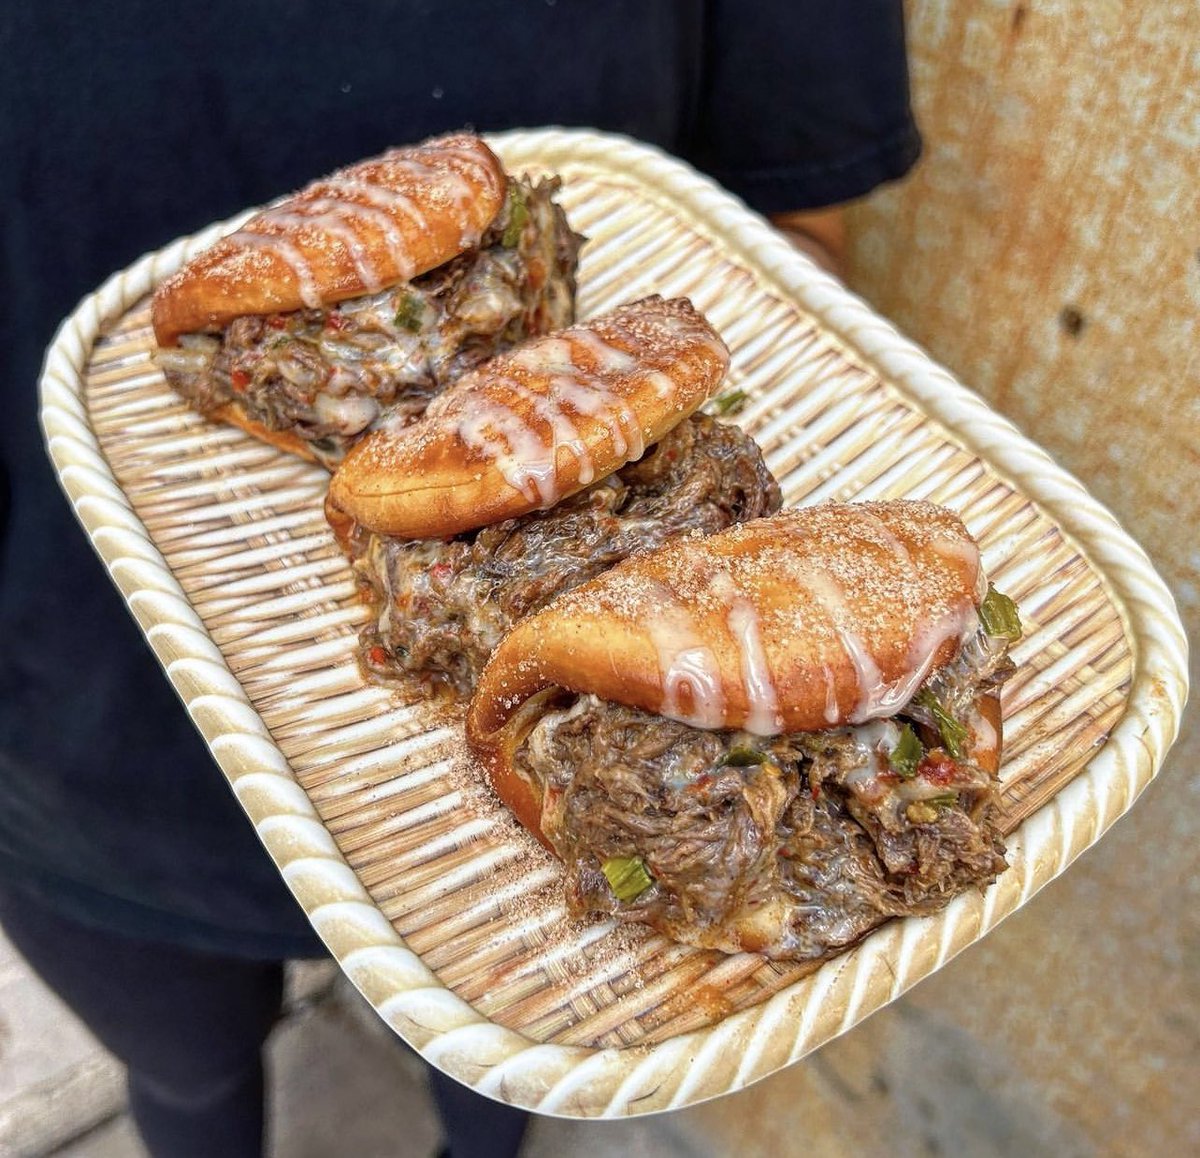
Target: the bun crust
(234, 415)
(809, 619)
(356, 232)
(534, 425)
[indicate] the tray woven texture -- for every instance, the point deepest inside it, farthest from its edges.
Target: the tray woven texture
(439, 908)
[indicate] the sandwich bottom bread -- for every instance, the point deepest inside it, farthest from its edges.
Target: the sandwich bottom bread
(770, 739)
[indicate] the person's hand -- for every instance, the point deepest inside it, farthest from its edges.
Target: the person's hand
(820, 233)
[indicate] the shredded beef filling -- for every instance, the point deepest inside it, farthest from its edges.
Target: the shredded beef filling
(329, 375)
(725, 823)
(442, 607)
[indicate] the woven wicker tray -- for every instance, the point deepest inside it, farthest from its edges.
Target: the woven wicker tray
(438, 907)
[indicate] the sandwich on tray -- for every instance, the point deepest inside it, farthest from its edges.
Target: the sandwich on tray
(362, 295)
(532, 474)
(768, 739)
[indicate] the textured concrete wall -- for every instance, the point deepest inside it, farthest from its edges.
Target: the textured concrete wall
(1047, 250)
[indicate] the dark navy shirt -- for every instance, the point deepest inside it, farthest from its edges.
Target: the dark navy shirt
(124, 125)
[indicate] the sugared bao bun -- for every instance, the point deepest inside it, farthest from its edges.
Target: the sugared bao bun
(354, 301)
(809, 619)
(534, 425)
(359, 230)
(769, 739)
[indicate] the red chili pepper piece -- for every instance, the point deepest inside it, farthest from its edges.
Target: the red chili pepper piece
(240, 379)
(377, 656)
(938, 767)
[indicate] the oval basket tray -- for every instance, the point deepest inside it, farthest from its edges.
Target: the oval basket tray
(443, 913)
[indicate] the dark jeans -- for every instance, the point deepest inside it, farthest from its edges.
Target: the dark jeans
(190, 1028)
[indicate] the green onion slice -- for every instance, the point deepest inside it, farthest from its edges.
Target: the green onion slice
(742, 757)
(627, 876)
(518, 215)
(730, 402)
(999, 616)
(954, 734)
(411, 314)
(907, 754)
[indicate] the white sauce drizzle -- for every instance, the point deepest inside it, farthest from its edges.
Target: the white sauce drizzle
(450, 179)
(876, 735)
(341, 204)
(963, 551)
(876, 697)
(563, 433)
(870, 680)
(498, 432)
(610, 359)
(873, 743)
(762, 700)
(664, 385)
(696, 670)
(290, 255)
(686, 665)
(387, 200)
(471, 159)
(831, 704)
(873, 694)
(546, 355)
(894, 544)
(326, 220)
(394, 240)
(592, 398)
(957, 624)
(520, 452)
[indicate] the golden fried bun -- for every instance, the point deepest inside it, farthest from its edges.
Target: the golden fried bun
(365, 227)
(234, 415)
(534, 425)
(807, 620)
